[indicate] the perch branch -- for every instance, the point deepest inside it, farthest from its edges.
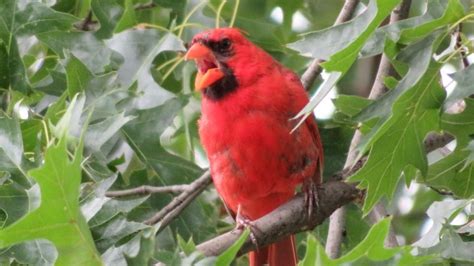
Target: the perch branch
(288, 219)
(146, 190)
(337, 220)
(314, 69)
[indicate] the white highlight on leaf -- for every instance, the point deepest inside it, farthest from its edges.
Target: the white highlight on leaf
(299, 22)
(277, 15)
(405, 204)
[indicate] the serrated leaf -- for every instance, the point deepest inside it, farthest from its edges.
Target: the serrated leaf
(398, 141)
(59, 180)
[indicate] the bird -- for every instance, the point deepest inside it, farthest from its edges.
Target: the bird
(257, 161)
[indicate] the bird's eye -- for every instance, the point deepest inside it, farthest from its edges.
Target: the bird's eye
(224, 45)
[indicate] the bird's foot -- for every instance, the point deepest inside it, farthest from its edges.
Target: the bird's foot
(243, 222)
(311, 199)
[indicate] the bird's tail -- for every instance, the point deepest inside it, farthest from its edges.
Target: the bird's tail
(282, 253)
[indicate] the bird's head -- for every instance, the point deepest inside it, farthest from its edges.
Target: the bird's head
(225, 60)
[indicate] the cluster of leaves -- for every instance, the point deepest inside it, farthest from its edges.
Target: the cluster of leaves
(94, 98)
(395, 126)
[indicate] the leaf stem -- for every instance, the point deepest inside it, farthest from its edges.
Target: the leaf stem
(234, 14)
(172, 68)
(188, 16)
(218, 14)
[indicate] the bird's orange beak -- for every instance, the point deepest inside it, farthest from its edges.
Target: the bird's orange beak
(200, 53)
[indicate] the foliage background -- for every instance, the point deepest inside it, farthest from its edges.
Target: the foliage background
(100, 101)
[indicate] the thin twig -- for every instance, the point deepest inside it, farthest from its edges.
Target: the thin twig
(145, 190)
(87, 23)
(174, 208)
(144, 6)
(315, 69)
(458, 45)
(336, 224)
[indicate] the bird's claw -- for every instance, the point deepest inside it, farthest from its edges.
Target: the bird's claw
(311, 198)
(243, 223)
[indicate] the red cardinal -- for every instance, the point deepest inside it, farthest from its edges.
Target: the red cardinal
(248, 102)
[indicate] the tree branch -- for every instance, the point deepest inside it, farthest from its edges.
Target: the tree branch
(314, 69)
(144, 6)
(287, 219)
(174, 208)
(458, 45)
(87, 23)
(337, 224)
(146, 190)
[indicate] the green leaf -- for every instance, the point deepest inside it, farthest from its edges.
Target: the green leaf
(402, 143)
(85, 46)
(114, 230)
(19, 21)
(143, 135)
(138, 251)
(438, 13)
(464, 86)
(128, 18)
(14, 202)
(340, 45)
(59, 180)
(455, 172)
(371, 247)
(442, 238)
(93, 197)
(229, 254)
(108, 12)
(11, 151)
(187, 247)
(114, 207)
(99, 133)
(351, 105)
(440, 212)
(102, 91)
(34, 252)
(139, 48)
